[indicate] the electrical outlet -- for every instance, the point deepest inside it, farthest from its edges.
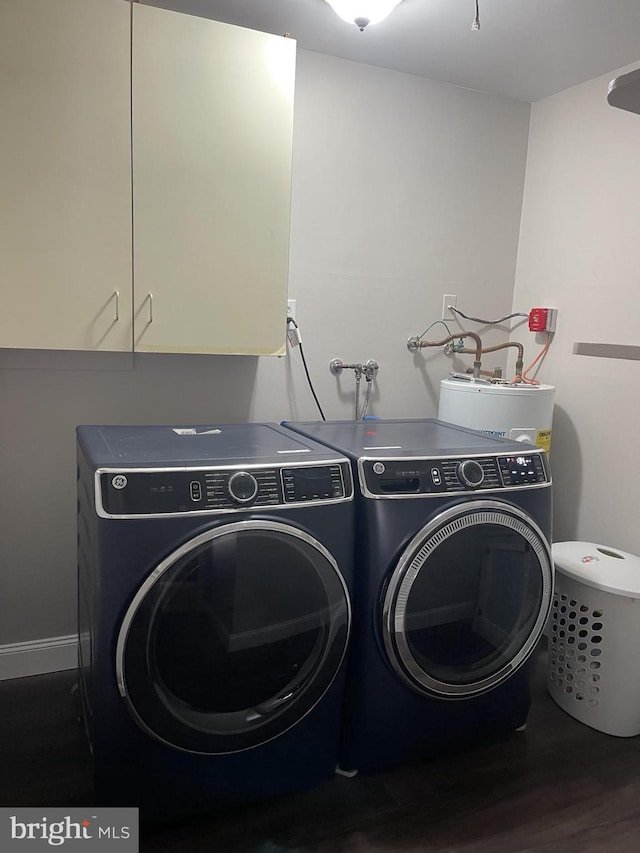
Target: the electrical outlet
(447, 300)
(291, 309)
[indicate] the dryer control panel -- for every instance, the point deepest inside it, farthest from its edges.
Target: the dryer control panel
(132, 493)
(452, 475)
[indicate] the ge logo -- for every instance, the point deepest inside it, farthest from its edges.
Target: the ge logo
(119, 481)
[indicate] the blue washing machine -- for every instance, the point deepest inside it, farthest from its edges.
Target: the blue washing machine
(453, 584)
(214, 581)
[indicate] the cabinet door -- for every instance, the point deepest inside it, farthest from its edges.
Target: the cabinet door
(212, 139)
(65, 207)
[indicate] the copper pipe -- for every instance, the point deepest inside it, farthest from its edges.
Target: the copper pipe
(519, 360)
(415, 343)
(499, 346)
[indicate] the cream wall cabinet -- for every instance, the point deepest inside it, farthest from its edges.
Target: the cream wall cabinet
(212, 140)
(65, 173)
(185, 247)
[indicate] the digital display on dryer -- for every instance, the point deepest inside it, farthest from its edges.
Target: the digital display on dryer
(522, 470)
(313, 483)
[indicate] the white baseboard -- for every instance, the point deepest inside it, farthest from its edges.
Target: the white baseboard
(36, 657)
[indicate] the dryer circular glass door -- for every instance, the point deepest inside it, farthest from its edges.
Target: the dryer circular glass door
(234, 637)
(468, 600)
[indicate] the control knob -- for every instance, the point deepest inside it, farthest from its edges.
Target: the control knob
(242, 487)
(470, 473)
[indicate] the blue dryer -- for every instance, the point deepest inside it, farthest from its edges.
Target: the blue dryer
(214, 578)
(453, 584)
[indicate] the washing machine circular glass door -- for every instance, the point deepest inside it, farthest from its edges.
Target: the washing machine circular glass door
(234, 637)
(468, 600)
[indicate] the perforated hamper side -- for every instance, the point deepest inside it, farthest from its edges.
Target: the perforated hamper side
(594, 656)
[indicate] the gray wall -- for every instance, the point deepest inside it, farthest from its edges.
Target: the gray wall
(580, 252)
(403, 189)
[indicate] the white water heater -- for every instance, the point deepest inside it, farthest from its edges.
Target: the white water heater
(520, 412)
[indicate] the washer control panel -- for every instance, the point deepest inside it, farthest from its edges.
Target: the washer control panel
(134, 493)
(397, 477)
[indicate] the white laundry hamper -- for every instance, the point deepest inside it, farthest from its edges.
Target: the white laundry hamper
(594, 636)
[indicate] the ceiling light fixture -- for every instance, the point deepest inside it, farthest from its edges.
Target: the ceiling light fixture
(363, 12)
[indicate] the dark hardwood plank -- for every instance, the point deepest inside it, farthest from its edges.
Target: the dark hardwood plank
(558, 787)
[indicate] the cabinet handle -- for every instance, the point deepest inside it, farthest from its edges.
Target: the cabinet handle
(150, 298)
(116, 294)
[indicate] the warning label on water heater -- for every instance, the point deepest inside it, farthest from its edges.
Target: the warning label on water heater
(543, 439)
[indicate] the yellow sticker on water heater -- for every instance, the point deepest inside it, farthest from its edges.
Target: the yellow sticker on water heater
(543, 439)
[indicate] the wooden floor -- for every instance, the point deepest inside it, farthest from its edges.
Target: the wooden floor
(558, 786)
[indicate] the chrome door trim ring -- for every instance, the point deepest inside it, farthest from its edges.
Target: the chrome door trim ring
(404, 574)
